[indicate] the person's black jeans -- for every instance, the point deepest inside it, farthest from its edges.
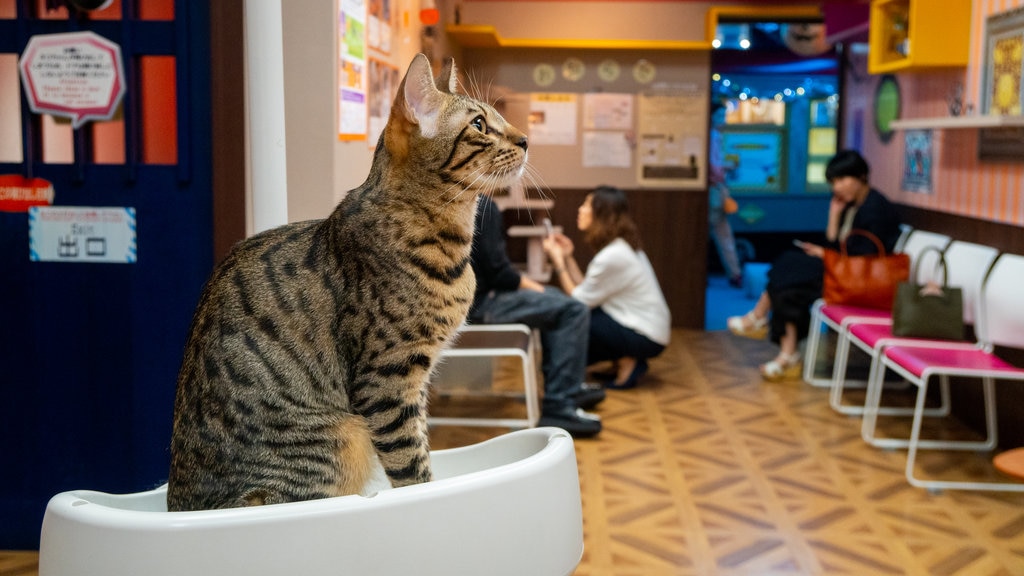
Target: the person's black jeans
(563, 323)
(610, 340)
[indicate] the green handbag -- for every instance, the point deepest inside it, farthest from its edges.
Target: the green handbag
(929, 310)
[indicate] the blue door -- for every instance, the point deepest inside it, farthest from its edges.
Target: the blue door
(89, 351)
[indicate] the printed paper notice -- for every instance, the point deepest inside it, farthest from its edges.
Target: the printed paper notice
(553, 119)
(352, 111)
(672, 138)
(607, 111)
(606, 149)
(81, 234)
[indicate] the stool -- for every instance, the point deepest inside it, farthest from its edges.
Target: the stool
(489, 341)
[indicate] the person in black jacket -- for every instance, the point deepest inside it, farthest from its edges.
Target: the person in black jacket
(504, 295)
(795, 279)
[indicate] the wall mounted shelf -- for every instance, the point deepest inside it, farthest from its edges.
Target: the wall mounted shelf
(958, 122)
(907, 35)
(486, 36)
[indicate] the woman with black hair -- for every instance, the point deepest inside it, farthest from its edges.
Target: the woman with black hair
(629, 318)
(795, 279)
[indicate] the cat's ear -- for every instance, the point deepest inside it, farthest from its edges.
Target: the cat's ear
(448, 79)
(422, 100)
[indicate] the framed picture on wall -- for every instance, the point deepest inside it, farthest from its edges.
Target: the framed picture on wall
(917, 161)
(1002, 89)
(1002, 86)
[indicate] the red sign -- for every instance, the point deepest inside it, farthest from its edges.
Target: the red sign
(77, 75)
(18, 193)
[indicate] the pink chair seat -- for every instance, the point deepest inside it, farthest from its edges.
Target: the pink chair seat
(873, 334)
(952, 361)
(839, 312)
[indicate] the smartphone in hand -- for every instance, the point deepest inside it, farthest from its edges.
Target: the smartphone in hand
(548, 229)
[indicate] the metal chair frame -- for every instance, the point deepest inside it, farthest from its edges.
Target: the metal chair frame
(999, 321)
(497, 340)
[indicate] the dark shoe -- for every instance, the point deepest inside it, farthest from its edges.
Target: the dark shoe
(736, 281)
(589, 395)
(638, 372)
(603, 375)
(575, 422)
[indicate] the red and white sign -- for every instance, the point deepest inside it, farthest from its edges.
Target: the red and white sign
(78, 75)
(18, 194)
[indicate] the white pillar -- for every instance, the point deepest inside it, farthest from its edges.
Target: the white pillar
(264, 60)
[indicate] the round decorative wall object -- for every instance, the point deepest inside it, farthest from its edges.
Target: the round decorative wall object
(644, 71)
(608, 70)
(544, 74)
(886, 106)
(573, 69)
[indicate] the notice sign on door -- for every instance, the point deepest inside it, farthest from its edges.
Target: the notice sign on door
(77, 75)
(81, 234)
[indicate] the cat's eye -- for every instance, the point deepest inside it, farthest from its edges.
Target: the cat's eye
(479, 124)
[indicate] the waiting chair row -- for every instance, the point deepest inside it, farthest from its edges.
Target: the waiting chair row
(990, 284)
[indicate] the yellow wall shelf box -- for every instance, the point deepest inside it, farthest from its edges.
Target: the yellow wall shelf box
(907, 35)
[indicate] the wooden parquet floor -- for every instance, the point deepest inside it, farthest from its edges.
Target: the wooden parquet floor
(707, 470)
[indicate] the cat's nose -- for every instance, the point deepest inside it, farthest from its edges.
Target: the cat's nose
(521, 142)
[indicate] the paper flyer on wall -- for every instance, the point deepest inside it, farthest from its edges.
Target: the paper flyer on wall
(552, 119)
(672, 137)
(352, 102)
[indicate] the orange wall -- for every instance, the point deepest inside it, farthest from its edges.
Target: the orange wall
(960, 183)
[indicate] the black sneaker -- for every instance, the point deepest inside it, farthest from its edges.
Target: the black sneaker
(589, 395)
(576, 422)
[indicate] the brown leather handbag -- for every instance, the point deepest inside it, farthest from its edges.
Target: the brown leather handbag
(867, 281)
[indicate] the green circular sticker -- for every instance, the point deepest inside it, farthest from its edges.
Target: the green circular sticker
(544, 74)
(887, 106)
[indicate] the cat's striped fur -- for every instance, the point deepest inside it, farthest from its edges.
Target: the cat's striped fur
(312, 343)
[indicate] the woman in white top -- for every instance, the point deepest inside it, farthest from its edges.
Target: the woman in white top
(629, 319)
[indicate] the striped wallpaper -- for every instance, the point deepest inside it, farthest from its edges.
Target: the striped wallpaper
(960, 183)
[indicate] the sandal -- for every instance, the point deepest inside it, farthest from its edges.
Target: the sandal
(785, 367)
(749, 325)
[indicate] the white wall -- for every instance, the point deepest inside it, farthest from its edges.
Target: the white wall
(321, 169)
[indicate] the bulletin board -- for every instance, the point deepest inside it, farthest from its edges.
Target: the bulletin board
(587, 113)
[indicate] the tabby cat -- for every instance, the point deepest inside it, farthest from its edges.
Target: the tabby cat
(312, 344)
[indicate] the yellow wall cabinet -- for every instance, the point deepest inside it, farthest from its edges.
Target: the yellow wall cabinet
(918, 34)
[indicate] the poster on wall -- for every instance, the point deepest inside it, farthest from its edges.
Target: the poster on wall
(352, 104)
(917, 161)
(383, 85)
(379, 24)
(552, 119)
(1004, 63)
(672, 137)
